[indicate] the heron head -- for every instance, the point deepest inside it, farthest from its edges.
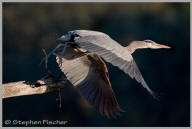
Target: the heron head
(153, 45)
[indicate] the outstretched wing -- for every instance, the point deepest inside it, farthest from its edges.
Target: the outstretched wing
(88, 73)
(113, 53)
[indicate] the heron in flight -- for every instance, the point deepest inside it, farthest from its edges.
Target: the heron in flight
(80, 58)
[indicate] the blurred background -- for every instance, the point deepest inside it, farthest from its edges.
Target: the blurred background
(29, 27)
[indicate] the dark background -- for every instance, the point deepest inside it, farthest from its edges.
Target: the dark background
(29, 27)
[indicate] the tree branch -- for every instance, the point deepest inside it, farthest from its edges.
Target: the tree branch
(46, 84)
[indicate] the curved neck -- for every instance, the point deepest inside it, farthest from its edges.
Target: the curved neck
(136, 45)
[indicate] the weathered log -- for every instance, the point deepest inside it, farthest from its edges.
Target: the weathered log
(46, 84)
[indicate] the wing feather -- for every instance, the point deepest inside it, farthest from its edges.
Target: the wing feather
(88, 74)
(115, 54)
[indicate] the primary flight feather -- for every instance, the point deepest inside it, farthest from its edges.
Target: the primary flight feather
(88, 71)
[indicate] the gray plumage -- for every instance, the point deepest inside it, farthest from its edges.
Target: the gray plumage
(89, 75)
(85, 69)
(111, 51)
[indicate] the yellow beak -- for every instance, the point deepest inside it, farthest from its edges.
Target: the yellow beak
(163, 46)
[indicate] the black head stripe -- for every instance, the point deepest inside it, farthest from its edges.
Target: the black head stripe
(148, 41)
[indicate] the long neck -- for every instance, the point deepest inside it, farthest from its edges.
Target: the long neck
(136, 45)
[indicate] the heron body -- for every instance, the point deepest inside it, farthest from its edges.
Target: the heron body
(84, 67)
(88, 73)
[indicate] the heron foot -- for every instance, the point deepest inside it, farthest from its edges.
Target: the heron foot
(51, 53)
(63, 51)
(65, 47)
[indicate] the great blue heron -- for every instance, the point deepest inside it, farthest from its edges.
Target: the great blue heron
(89, 73)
